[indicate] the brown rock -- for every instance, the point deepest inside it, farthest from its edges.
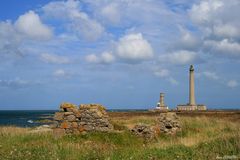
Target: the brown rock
(58, 116)
(65, 125)
(81, 129)
(68, 113)
(75, 131)
(67, 107)
(74, 125)
(71, 118)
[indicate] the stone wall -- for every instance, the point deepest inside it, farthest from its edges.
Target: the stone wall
(191, 108)
(88, 117)
(166, 123)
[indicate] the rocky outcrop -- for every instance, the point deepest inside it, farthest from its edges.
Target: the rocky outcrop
(168, 123)
(86, 118)
(143, 130)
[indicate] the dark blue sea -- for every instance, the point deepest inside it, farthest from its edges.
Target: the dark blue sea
(32, 118)
(25, 118)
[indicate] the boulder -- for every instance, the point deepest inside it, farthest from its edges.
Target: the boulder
(65, 125)
(71, 118)
(58, 116)
(68, 107)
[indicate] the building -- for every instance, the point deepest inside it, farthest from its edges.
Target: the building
(160, 105)
(191, 106)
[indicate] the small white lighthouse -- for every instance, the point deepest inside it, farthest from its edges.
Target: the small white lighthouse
(160, 104)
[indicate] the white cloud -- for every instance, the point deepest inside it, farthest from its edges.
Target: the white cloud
(210, 75)
(219, 24)
(30, 24)
(180, 57)
(60, 73)
(92, 58)
(111, 13)
(76, 21)
(204, 12)
(53, 58)
(165, 74)
(232, 83)
(16, 83)
(10, 40)
(173, 81)
(104, 58)
(226, 31)
(133, 47)
(107, 57)
(161, 73)
(224, 46)
(14, 37)
(128, 11)
(188, 41)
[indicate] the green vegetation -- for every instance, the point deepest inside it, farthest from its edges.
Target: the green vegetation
(200, 138)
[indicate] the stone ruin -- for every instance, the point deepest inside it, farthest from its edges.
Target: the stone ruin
(93, 117)
(143, 130)
(167, 123)
(86, 118)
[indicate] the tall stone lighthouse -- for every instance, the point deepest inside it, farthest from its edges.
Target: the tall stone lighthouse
(191, 87)
(192, 103)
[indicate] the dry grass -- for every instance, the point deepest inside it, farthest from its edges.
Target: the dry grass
(12, 131)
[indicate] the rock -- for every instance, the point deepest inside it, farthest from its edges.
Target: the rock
(55, 124)
(75, 131)
(42, 128)
(168, 123)
(65, 125)
(74, 125)
(88, 127)
(81, 129)
(68, 113)
(71, 118)
(68, 107)
(58, 116)
(143, 130)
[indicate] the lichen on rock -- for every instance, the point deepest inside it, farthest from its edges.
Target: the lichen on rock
(86, 118)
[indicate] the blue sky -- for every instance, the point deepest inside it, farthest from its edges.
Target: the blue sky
(120, 53)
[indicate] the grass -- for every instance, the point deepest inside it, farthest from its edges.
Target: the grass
(200, 138)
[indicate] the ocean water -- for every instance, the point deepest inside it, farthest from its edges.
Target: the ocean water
(31, 118)
(27, 118)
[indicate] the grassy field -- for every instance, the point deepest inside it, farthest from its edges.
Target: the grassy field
(202, 137)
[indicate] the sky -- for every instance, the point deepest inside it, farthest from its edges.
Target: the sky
(120, 53)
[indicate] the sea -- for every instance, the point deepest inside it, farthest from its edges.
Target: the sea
(25, 118)
(34, 118)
